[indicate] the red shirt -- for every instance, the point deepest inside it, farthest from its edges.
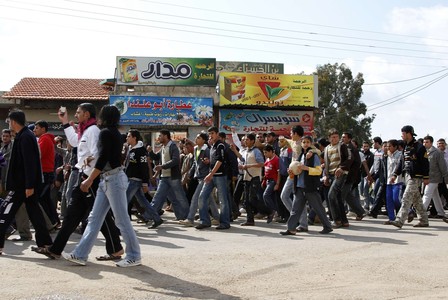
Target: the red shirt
(46, 145)
(271, 167)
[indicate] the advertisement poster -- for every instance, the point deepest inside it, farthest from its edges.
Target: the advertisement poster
(166, 71)
(248, 67)
(148, 110)
(280, 122)
(270, 90)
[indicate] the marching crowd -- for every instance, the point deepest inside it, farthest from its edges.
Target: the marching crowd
(99, 178)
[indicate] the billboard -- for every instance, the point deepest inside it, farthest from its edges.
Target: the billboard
(280, 122)
(270, 90)
(166, 71)
(148, 110)
(248, 67)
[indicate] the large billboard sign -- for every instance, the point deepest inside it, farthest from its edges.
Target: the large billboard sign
(270, 90)
(280, 122)
(248, 67)
(148, 110)
(166, 71)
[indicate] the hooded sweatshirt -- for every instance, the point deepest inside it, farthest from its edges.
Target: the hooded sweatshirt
(137, 163)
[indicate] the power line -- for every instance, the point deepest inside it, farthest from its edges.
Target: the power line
(264, 27)
(217, 46)
(290, 21)
(388, 101)
(222, 35)
(405, 80)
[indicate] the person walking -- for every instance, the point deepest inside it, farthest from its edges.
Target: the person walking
(23, 180)
(415, 169)
(111, 193)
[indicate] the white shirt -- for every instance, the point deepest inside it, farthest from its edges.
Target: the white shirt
(87, 146)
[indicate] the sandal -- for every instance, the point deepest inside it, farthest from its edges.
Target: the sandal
(108, 257)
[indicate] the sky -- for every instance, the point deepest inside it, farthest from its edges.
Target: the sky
(400, 47)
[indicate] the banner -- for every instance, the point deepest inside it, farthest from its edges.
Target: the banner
(166, 71)
(280, 122)
(270, 90)
(148, 110)
(248, 67)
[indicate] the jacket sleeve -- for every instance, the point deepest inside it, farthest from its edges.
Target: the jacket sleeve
(346, 158)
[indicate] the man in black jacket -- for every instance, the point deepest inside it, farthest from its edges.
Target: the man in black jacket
(23, 180)
(415, 166)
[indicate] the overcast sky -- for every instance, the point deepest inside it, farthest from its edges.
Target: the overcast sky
(401, 47)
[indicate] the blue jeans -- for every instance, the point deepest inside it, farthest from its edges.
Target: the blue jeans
(220, 182)
(195, 203)
(393, 203)
(299, 205)
(338, 188)
(286, 196)
(111, 194)
(269, 195)
(171, 189)
(135, 189)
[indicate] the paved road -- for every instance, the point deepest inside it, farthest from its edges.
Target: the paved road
(366, 261)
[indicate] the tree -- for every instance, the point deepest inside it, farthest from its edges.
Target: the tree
(340, 106)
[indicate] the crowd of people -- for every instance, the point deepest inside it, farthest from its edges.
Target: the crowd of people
(100, 178)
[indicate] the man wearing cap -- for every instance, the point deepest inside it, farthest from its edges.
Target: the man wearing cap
(415, 167)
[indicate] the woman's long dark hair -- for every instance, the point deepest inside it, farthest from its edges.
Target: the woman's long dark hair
(109, 116)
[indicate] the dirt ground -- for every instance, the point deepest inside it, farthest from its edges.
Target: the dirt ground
(369, 260)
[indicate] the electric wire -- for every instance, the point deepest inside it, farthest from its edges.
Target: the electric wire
(228, 36)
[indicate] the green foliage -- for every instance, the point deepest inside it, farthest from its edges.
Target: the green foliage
(340, 104)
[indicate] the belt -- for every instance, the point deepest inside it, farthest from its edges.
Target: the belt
(112, 172)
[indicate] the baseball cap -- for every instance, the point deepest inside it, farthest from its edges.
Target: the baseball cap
(409, 129)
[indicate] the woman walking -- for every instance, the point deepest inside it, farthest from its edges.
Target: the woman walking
(111, 193)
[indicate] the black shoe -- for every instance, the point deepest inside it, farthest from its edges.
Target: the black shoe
(156, 224)
(202, 226)
(287, 232)
(325, 231)
(411, 217)
(372, 214)
(21, 239)
(248, 223)
(270, 218)
(222, 227)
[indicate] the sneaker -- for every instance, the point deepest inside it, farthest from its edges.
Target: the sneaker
(125, 263)
(421, 224)
(215, 222)
(70, 257)
(186, 223)
(396, 224)
(9, 231)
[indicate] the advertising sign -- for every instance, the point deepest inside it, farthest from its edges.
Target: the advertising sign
(148, 110)
(166, 71)
(270, 90)
(280, 122)
(248, 67)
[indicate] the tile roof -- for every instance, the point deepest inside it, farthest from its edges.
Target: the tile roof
(58, 89)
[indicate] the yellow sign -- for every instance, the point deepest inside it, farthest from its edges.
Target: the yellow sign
(271, 90)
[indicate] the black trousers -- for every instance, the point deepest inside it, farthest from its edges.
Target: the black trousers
(251, 190)
(8, 211)
(45, 198)
(80, 205)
